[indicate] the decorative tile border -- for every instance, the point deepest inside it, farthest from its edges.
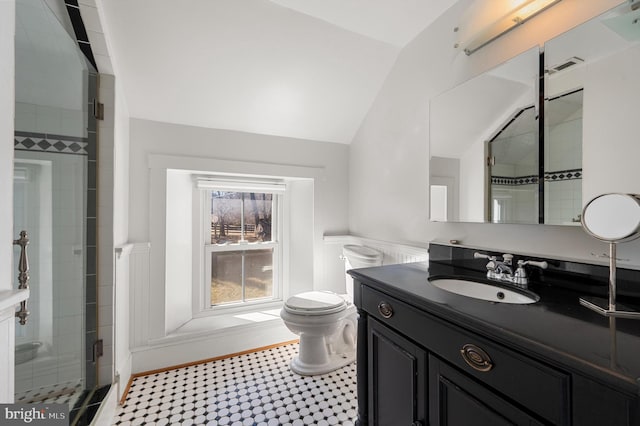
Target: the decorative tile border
(25, 141)
(561, 175)
(515, 180)
(557, 176)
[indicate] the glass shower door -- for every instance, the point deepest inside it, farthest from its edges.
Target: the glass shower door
(49, 204)
(54, 202)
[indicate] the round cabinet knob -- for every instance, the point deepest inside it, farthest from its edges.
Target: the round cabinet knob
(385, 310)
(477, 358)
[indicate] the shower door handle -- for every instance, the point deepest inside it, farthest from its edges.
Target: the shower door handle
(23, 274)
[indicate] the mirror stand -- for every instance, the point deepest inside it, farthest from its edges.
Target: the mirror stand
(612, 218)
(606, 307)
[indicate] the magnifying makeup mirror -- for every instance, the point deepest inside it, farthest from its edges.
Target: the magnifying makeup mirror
(612, 218)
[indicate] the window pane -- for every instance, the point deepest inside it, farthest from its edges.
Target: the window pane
(227, 277)
(229, 209)
(257, 216)
(258, 266)
(226, 208)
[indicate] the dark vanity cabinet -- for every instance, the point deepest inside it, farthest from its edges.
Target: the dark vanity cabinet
(459, 400)
(401, 390)
(417, 368)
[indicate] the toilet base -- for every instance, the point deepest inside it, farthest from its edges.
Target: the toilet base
(334, 362)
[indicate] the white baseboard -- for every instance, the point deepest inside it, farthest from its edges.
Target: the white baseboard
(172, 352)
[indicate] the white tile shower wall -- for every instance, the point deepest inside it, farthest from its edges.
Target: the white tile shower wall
(525, 199)
(51, 120)
(68, 265)
(563, 201)
(58, 302)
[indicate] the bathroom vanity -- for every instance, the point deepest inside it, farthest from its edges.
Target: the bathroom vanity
(428, 356)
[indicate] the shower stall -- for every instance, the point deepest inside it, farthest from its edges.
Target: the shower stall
(55, 203)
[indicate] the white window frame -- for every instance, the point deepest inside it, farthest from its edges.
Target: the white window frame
(202, 305)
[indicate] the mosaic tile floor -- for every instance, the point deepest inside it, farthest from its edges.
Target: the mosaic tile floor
(252, 389)
(61, 393)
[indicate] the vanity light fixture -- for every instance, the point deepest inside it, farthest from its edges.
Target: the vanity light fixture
(521, 11)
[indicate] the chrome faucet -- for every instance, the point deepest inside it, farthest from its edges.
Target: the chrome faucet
(520, 278)
(501, 270)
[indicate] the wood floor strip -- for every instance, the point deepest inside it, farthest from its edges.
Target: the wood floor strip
(204, 361)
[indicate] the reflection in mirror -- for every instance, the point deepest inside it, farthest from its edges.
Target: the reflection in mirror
(594, 65)
(513, 165)
(499, 106)
(563, 159)
(592, 99)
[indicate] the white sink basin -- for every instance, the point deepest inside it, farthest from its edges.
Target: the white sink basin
(484, 291)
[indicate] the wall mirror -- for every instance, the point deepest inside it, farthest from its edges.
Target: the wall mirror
(591, 93)
(486, 163)
(484, 137)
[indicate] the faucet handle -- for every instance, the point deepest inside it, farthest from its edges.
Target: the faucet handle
(520, 277)
(541, 265)
(478, 255)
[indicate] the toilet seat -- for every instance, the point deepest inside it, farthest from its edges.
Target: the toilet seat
(315, 303)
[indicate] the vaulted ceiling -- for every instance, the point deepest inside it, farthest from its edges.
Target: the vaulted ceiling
(307, 69)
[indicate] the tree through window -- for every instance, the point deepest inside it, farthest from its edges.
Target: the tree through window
(242, 246)
(240, 217)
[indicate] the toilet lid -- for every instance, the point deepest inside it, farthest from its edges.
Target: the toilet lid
(315, 303)
(363, 252)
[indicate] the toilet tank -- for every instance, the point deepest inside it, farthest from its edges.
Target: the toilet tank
(355, 256)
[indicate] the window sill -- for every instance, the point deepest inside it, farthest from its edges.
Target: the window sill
(214, 324)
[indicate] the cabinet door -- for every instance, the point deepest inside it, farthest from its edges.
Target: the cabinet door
(397, 378)
(456, 399)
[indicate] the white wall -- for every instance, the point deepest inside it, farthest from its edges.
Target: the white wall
(113, 167)
(7, 58)
(611, 125)
(178, 265)
(447, 171)
(388, 166)
(472, 189)
(156, 149)
(301, 224)
(7, 26)
(330, 193)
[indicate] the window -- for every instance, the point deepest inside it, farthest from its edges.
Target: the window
(242, 243)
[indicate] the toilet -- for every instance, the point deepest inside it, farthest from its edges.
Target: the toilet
(326, 321)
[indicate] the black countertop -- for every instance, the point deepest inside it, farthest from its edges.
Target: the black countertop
(557, 329)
